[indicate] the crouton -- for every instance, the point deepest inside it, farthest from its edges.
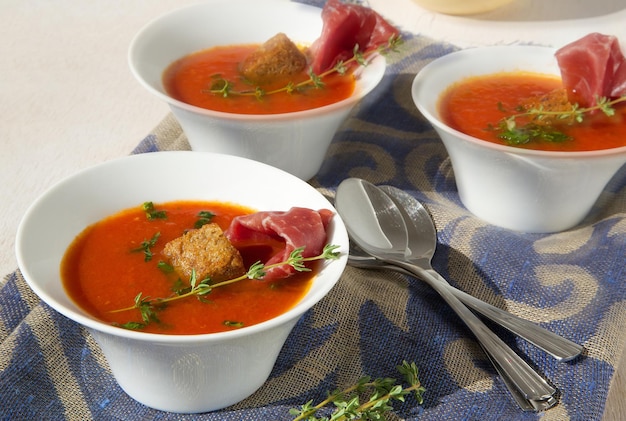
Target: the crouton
(277, 58)
(207, 251)
(553, 101)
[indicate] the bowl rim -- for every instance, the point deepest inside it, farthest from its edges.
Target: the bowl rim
(377, 62)
(460, 56)
(90, 322)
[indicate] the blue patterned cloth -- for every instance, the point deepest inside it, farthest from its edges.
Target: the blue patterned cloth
(571, 283)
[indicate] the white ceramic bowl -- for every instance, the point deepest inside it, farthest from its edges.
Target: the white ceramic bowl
(462, 7)
(520, 189)
(295, 142)
(176, 373)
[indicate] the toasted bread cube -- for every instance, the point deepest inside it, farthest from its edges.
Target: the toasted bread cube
(207, 251)
(556, 101)
(277, 58)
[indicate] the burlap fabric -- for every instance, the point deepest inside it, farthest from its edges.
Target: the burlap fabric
(571, 283)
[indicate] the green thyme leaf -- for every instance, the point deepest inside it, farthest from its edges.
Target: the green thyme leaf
(204, 217)
(152, 213)
(165, 267)
(133, 325)
(146, 246)
(231, 323)
(297, 261)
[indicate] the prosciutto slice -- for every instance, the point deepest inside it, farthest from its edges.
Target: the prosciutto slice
(344, 26)
(592, 67)
(297, 227)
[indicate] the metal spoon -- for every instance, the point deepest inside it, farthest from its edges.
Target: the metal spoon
(419, 224)
(376, 224)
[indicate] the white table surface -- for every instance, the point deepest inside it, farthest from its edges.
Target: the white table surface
(68, 100)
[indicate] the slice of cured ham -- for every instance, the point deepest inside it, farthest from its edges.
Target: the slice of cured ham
(592, 67)
(344, 26)
(297, 227)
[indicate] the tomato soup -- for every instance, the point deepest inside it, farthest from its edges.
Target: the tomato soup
(190, 79)
(476, 105)
(105, 268)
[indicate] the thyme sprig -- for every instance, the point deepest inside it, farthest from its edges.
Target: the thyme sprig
(146, 247)
(221, 86)
(204, 217)
(382, 391)
(540, 125)
(152, 213)
(150, 307)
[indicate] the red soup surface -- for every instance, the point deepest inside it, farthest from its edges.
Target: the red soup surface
(475, 104)
(190, 78)
(103, 270)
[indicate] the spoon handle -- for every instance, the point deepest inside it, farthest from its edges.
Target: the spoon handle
(517, 371)
(522, 402)
(559, 347)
